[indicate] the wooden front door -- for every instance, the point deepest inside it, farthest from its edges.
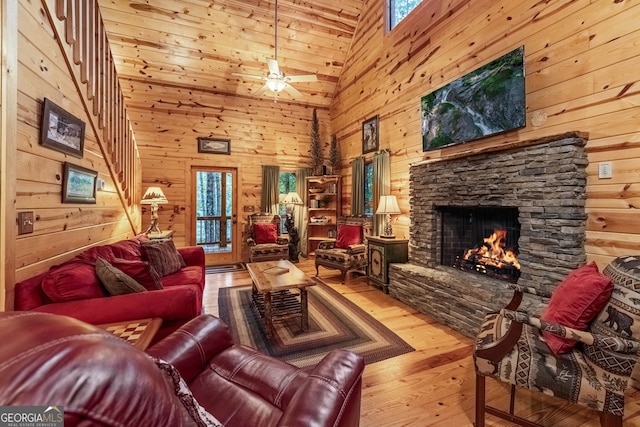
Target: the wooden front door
(214, 215)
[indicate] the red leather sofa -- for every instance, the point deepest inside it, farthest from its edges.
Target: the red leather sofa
(104, 381)
(73, 289)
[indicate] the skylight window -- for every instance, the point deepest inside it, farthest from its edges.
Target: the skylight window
(399, 9)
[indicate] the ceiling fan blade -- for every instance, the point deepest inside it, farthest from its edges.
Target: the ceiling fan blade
(305, 78)
(273, 66)
(292, 91)
(251, 76)
(260, 91)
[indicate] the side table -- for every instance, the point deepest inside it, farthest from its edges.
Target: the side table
(381, 253)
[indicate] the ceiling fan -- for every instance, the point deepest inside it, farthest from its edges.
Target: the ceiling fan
(275, 80)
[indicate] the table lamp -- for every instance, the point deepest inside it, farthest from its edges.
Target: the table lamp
(154, 197)
(388, 205)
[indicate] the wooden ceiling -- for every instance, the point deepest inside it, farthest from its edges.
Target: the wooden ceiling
(198, 45)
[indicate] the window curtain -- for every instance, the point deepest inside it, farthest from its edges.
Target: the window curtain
(269, 199)
(301, 212)
(357, 186)
(381, 186)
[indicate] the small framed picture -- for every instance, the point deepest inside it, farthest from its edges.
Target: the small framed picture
(61, 131)
(214, 145)
(370, 134)
(79, 184)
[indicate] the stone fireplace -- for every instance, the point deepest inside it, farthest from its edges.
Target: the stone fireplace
(529, 199)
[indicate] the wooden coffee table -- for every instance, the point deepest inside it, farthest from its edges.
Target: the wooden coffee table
(138, 333)
(273, 283)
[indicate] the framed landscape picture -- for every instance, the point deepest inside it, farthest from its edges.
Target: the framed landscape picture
(214, 145)
(61, 131)
(370, 134)
(78, 184)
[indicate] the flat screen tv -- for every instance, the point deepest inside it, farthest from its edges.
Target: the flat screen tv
(487, 101)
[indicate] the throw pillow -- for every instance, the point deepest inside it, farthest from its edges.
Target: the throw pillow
(72, 281)
(265, 233)
(114, 280)
(575, 303)
(200, 415)
(141, 271)
(163, 256)
(348, 235)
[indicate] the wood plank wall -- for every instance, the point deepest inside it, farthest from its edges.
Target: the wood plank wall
(262, 132)
(62, 230)
(582, 58)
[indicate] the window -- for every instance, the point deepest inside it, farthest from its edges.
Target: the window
(287, 184)
(399, 9)
(368, 189)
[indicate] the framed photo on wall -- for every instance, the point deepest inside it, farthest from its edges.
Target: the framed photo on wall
(61, 130)
(214, 145)
(370, 134)
(78, 184)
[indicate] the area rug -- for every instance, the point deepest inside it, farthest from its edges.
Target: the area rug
(227, 268)
(334, 322)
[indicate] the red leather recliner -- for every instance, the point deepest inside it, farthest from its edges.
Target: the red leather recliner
(99, 379)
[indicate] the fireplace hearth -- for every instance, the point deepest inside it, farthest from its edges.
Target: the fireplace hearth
(530, 210)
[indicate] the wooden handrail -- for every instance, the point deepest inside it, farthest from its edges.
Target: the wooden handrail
(85, 34)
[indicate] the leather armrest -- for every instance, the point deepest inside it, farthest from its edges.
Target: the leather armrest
(190, 348)
(330, 395)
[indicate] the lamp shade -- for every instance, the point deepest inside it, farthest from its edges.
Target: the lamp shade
(388, 205)
(154, 195)
(292, 198)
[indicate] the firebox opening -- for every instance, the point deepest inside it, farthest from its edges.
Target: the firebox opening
(481, 240)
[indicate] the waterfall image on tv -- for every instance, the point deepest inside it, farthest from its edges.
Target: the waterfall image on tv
(487, 101)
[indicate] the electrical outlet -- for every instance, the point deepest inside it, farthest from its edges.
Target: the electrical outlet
(25, 222)
(605, 170)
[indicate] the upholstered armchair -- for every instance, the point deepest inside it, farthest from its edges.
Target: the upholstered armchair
(582, 348)
(265, 242)
(349, 251)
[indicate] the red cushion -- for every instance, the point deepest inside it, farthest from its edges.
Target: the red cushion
(72, 281)
(348, 235)
(575, 303)
(139, 270)
(126, 249)
(265, 233)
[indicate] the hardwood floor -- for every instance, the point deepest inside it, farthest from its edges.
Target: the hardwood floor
(434, 385)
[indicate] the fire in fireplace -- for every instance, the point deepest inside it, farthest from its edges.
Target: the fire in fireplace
(481, 240)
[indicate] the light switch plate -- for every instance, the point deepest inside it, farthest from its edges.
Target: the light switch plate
(605, 170)
(25, 222)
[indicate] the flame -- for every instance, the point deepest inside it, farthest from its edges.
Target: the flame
(492, 252)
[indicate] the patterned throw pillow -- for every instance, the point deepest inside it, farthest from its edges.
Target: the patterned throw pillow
(200, 415)
(163, 256)
(115, 281)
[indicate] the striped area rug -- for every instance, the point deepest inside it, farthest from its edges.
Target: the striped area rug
(334, 322)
